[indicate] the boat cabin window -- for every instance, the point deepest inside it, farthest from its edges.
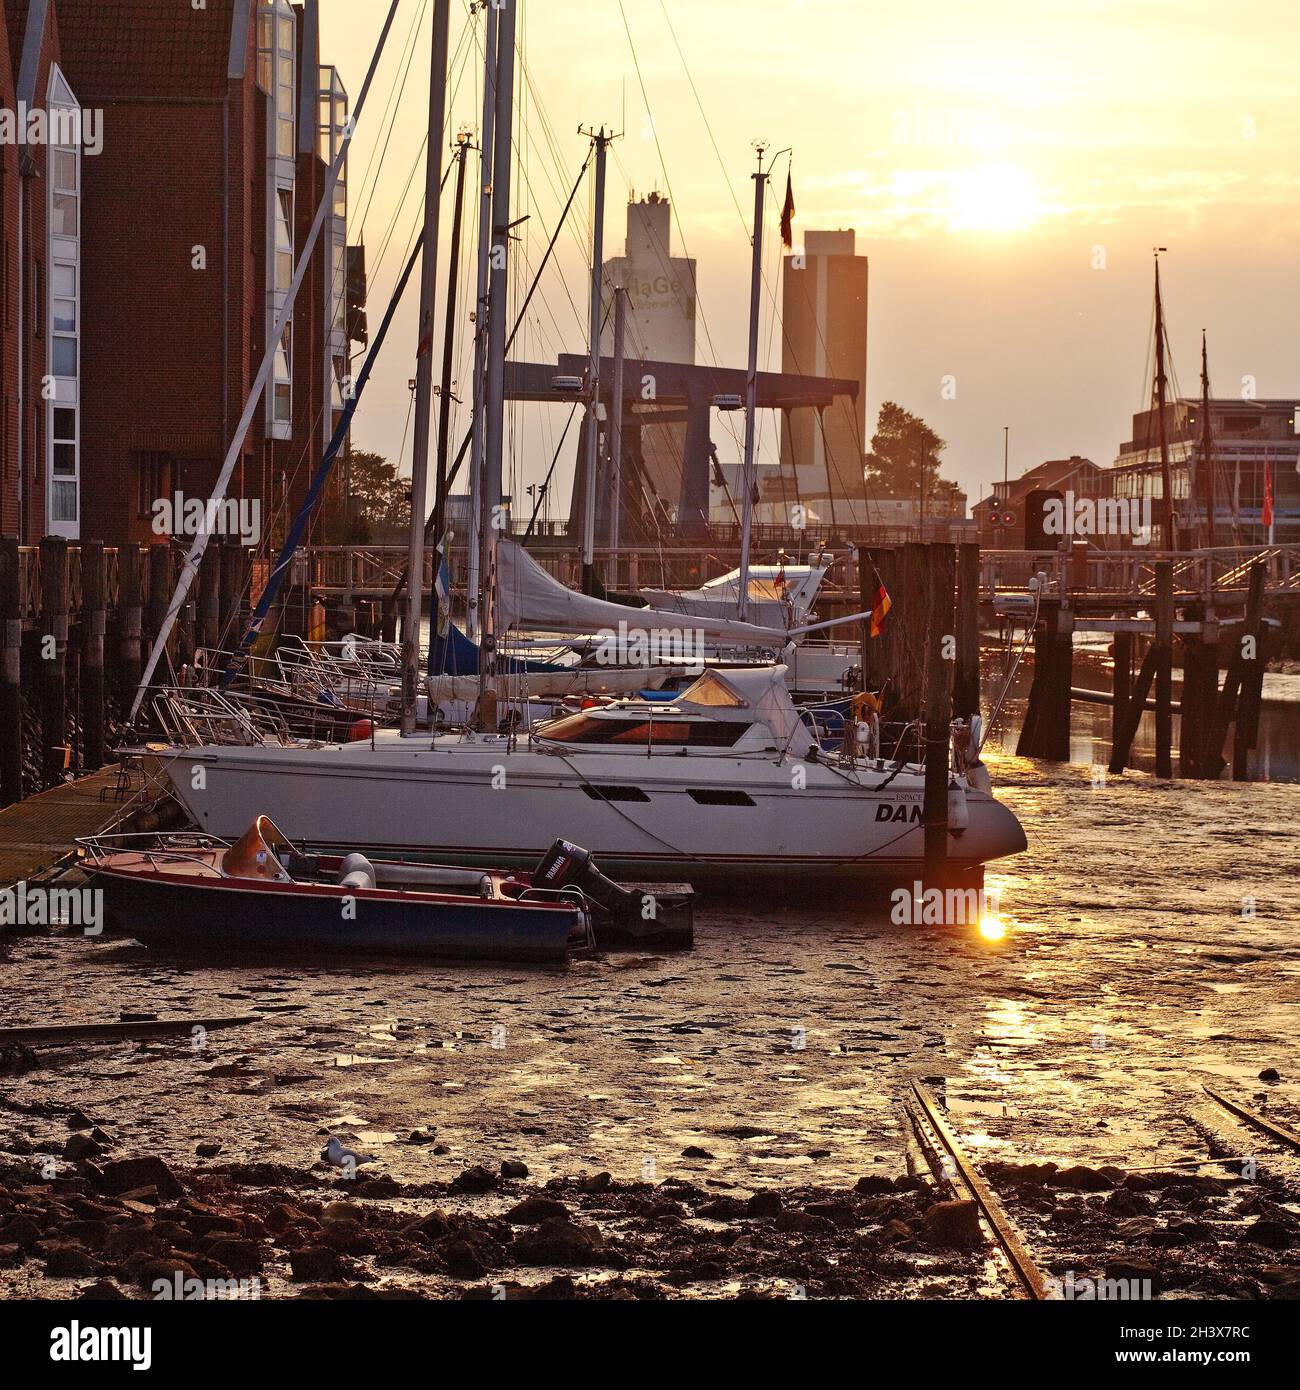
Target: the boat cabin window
(711, 689)
(659, 733)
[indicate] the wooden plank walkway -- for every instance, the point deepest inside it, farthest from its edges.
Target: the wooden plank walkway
(37, 833)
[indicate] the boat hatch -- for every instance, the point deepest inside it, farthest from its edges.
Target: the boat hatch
(714, 691)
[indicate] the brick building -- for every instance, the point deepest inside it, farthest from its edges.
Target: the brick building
(40, 197)
(149, 270)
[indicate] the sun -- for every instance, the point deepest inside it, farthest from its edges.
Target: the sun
(992, 198)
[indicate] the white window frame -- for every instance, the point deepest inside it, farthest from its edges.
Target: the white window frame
(63, 252)
(277, 60)
(332, 105)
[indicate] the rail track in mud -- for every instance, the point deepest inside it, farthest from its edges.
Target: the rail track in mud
(1145, 1230)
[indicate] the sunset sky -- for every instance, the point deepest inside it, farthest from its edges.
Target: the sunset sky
(990, 157)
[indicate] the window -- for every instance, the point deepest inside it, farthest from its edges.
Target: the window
(712, 689)
(713, 796)
(265, 45)
(63, 356)
(57, 296)
(614, 793)
(586, 728)
(278, 76)
(154, 472)
(283, 239)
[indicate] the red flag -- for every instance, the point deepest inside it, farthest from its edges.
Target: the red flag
(880, 611)
(1266, 516)
(787, 215)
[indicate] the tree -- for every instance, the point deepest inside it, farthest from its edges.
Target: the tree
(381, 508)
(904, 457)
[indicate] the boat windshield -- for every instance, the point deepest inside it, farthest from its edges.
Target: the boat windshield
(677, 733)
(256, 853)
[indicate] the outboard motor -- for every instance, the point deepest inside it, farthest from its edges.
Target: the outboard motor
(566, 865)
(663, 917)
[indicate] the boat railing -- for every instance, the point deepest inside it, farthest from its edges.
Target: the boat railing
(98, 849)
(190, 716)
(349, 657)
(556, 895)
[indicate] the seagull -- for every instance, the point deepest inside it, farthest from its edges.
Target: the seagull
(335, 1153)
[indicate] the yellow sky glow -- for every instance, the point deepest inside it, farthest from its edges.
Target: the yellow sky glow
(982, 152)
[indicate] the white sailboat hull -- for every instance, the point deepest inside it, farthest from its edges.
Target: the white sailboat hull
(664, 816)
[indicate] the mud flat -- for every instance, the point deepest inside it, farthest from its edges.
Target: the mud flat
(1152, 950)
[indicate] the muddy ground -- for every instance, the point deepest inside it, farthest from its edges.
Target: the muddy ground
(1152, 950)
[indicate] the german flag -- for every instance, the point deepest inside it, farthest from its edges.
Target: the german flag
(879, 613)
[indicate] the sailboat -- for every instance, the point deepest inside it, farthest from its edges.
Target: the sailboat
(725, 778)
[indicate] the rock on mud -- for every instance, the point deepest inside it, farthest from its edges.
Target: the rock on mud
(953, 1224)
(558, 1242)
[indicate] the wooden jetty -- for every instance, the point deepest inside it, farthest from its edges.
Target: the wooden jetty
(36, 835)
(1203, 607)
(76, 621)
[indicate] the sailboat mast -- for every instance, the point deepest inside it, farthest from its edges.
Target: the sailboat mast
(601, 141)
(488, 126)
(498, 287)
(1171, 531)
(449, 349)
(1207, 444)
(424, 364)
(283, 317)
(616, 427)
(751, 388)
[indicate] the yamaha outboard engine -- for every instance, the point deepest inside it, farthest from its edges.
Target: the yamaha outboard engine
(566, 865)
(663, 917)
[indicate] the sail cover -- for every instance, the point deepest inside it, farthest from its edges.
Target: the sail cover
(530, 598)
(779, 595)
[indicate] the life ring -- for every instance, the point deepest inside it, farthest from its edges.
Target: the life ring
(863, 704)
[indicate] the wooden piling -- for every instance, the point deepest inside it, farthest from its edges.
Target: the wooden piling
(1121, 684)
(93, 619)
(1200, 693)
(11, 699)
(1240, 672)
(910, 613)
(1123, 744)
(966, 677)
(941, 569)
(1246, 733)
(232, 581)
(209, 625)
(1164, 650)
(130, 563)
(1046, 730)
(160, 592)
(53, 648)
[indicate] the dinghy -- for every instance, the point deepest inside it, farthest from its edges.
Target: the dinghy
(261, 894)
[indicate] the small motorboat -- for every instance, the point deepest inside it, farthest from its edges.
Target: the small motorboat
(261, 894)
